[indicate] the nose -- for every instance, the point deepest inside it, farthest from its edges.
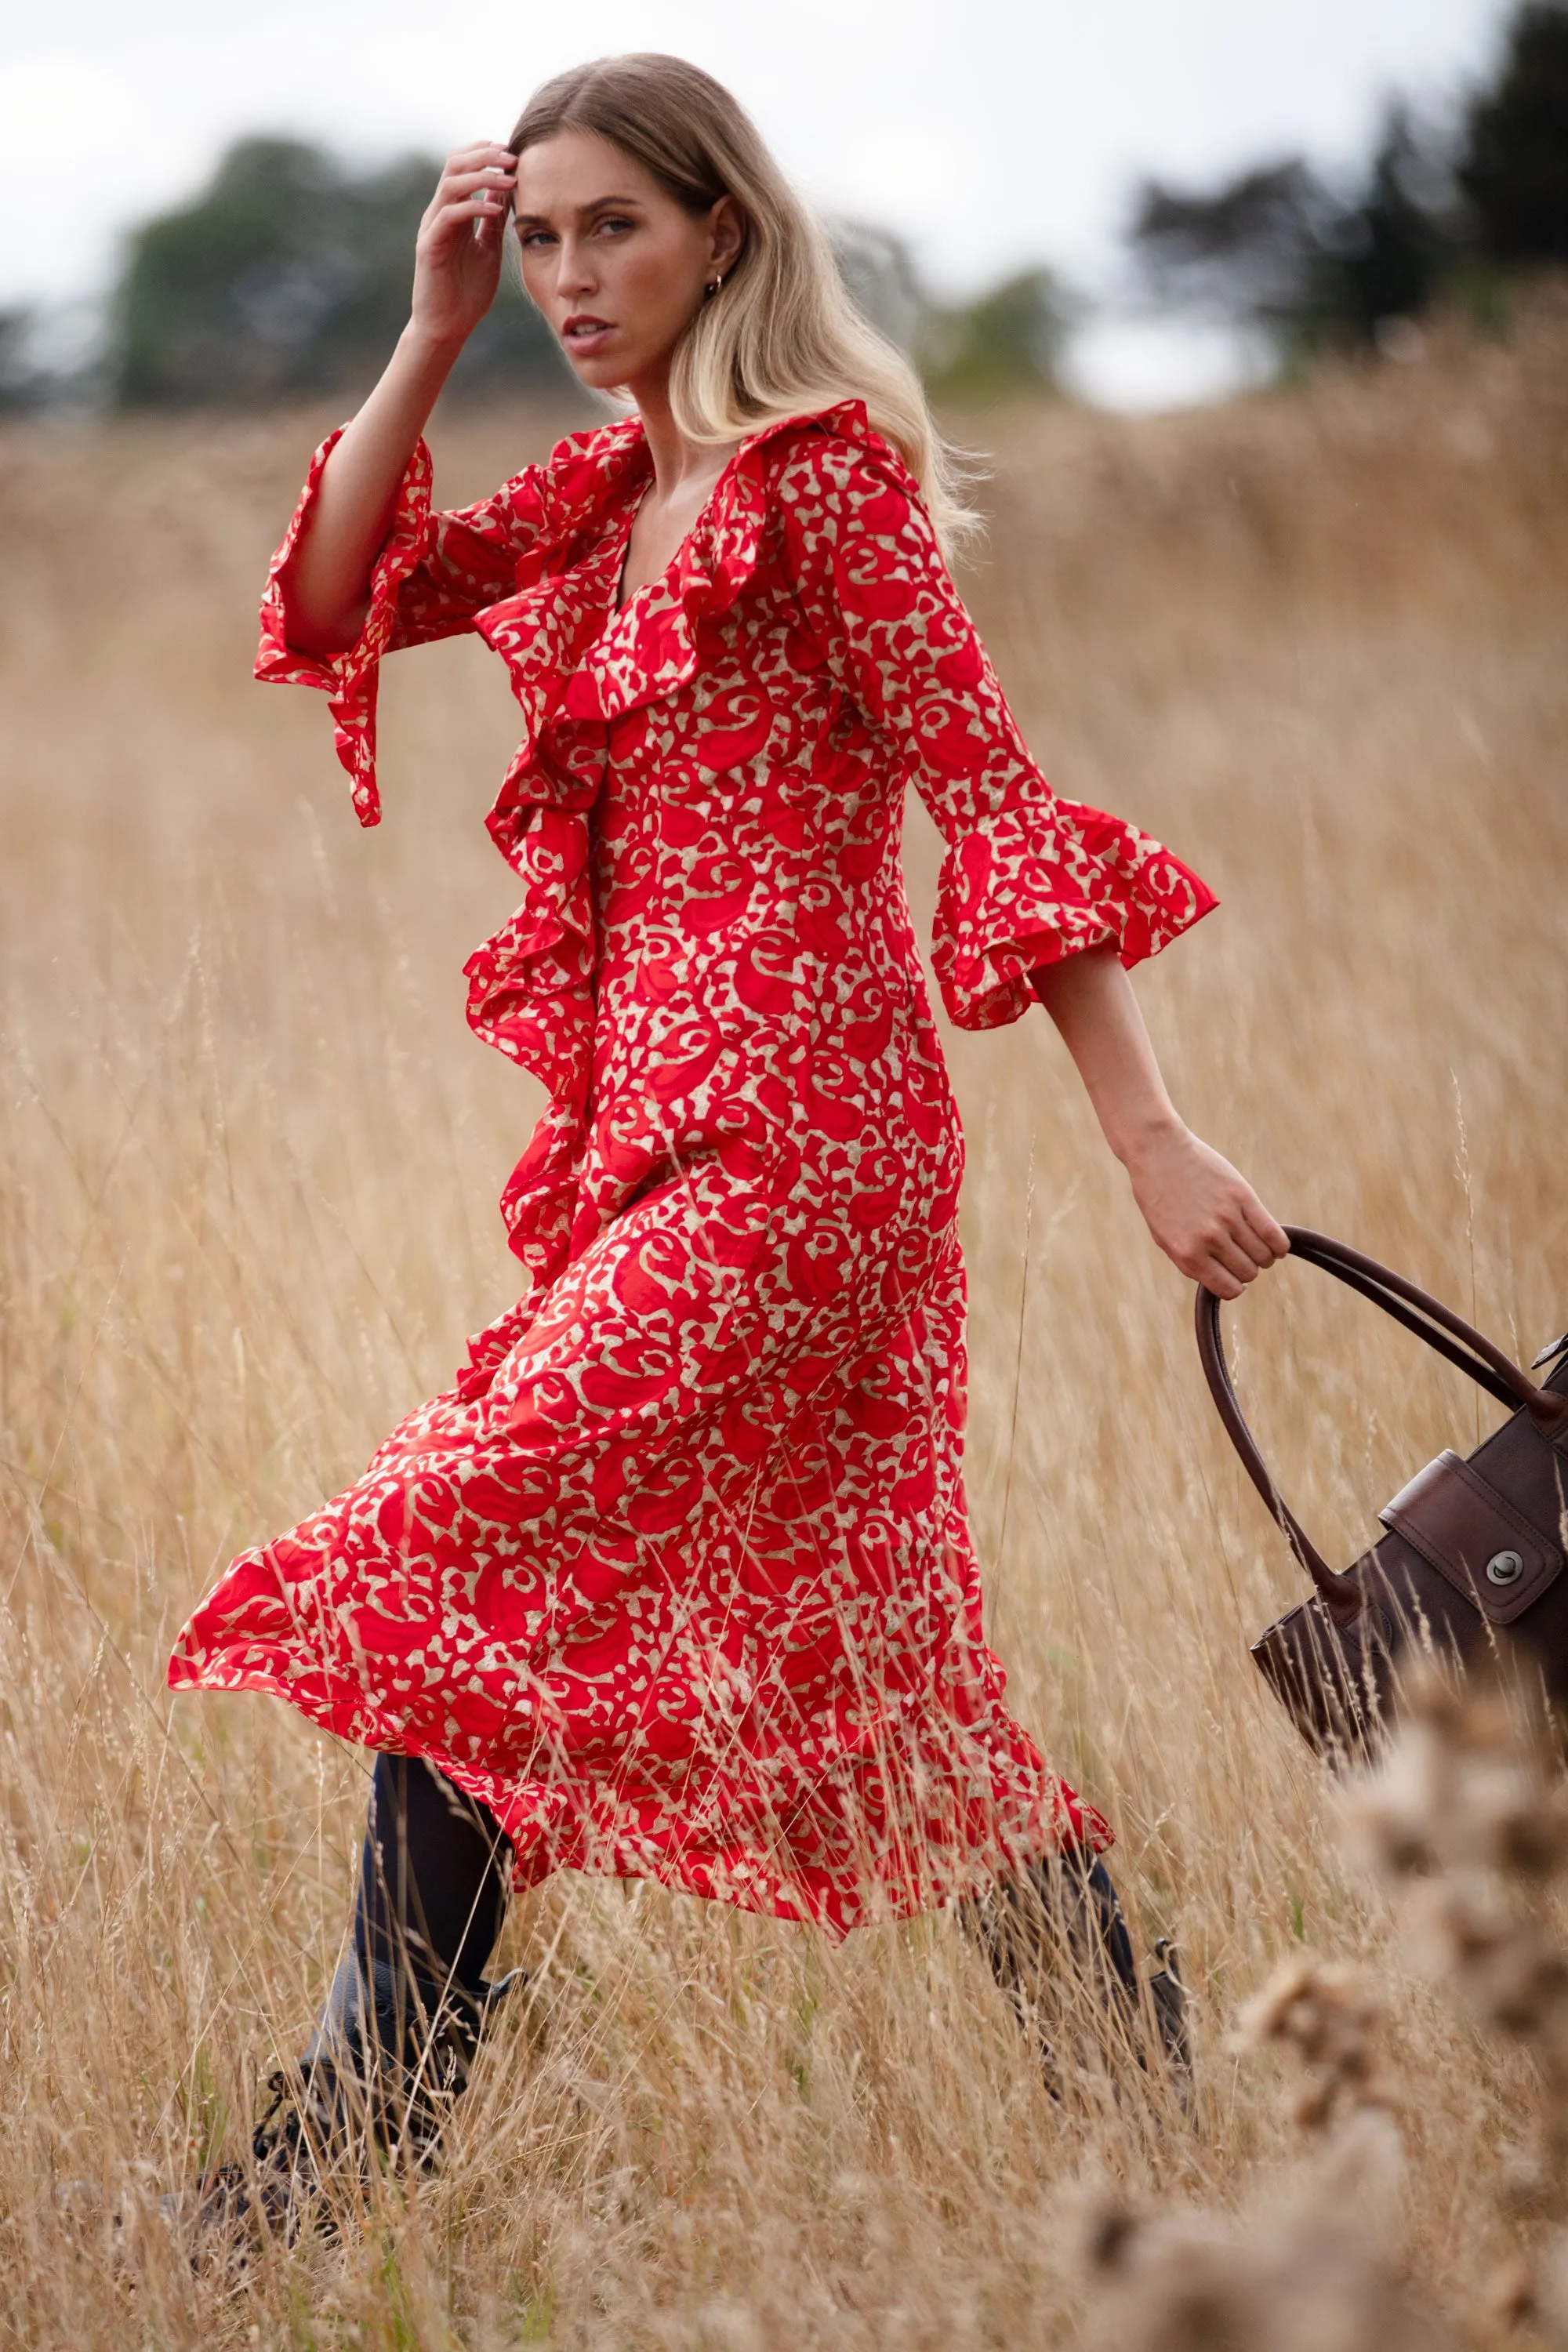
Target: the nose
(576, 275)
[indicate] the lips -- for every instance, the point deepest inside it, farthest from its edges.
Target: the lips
(584, 333)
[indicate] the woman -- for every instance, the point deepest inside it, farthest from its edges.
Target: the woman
(676, 1580)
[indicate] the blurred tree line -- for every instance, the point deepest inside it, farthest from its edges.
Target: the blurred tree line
(288, 275)
(1440, 214)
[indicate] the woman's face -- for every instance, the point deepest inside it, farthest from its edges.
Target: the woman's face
(615, 264)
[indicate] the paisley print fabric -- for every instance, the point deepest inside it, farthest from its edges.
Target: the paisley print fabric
(676, 1576)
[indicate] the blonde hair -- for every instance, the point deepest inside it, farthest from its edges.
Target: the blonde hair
(782, 337)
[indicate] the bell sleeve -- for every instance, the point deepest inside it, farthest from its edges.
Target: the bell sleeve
(1028, 877)
(433, 573)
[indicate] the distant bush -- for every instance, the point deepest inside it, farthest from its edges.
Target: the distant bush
(18, 375)
(1006, 340)
(290, 274)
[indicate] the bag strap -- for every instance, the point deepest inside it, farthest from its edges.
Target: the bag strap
(1444, 1331)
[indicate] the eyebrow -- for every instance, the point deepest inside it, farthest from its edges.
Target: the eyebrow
(530, 220)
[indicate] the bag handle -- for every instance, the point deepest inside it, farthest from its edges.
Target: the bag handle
(1444, 1331)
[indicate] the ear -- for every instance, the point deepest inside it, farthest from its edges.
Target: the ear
(727, 228)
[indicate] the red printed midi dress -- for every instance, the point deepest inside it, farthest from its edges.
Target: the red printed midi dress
(677, 1577)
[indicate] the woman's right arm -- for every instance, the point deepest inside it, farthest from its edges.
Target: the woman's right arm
(457, 269)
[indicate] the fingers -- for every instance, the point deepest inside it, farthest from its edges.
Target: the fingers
(1228, 1252)
(485, 188)
(1206, 1215)
(475, 185)
(485, 179)
(483, 155)
(1265, 1231)
(1236, 1246)
(1238, 1251)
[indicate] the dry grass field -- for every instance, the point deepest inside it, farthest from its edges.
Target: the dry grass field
(1320, 644)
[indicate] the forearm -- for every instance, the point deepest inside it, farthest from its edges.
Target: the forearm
(1090, 999)
(1204, 1215)
(326, 586)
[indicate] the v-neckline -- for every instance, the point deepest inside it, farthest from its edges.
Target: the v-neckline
(620, 603)
(621, 596)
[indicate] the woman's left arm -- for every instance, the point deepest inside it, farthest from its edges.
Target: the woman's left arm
(1203, 1213)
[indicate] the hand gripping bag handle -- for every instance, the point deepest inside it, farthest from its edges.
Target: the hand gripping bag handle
(1448, 1333)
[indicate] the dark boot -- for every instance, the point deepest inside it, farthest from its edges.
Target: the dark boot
(394, 2044)
(1054, 1932)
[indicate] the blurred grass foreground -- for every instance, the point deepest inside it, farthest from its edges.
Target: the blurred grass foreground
(1315, 641)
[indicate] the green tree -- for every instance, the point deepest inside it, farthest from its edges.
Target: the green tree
(1514, 165)
(1249, 248)
(290, 274)
(1435, 216)
(1390, 253)
(1278, 247)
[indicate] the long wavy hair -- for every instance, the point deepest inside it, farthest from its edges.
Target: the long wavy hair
(784, 337)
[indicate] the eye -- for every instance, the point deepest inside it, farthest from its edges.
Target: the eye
(530, 239)
(615, 223)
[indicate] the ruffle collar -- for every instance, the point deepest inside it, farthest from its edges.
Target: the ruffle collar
(575, 658)
(567, 647)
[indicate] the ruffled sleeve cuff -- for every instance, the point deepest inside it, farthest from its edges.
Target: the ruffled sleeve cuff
(349, 679)
(1034, 885)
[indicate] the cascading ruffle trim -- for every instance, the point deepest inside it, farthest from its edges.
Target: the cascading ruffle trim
(349, 679)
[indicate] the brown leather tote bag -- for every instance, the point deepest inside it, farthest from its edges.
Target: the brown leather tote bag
(1470, 1568)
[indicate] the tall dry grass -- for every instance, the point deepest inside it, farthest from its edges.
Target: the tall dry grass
(250, 1161)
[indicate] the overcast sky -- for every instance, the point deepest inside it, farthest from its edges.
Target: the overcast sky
(991, 132)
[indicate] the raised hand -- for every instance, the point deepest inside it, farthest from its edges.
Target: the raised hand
(457, 269)
(457, 254)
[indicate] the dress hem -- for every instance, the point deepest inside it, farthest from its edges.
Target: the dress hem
(876, 1901)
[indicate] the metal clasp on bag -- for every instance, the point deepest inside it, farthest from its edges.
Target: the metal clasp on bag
(1475, 1536)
